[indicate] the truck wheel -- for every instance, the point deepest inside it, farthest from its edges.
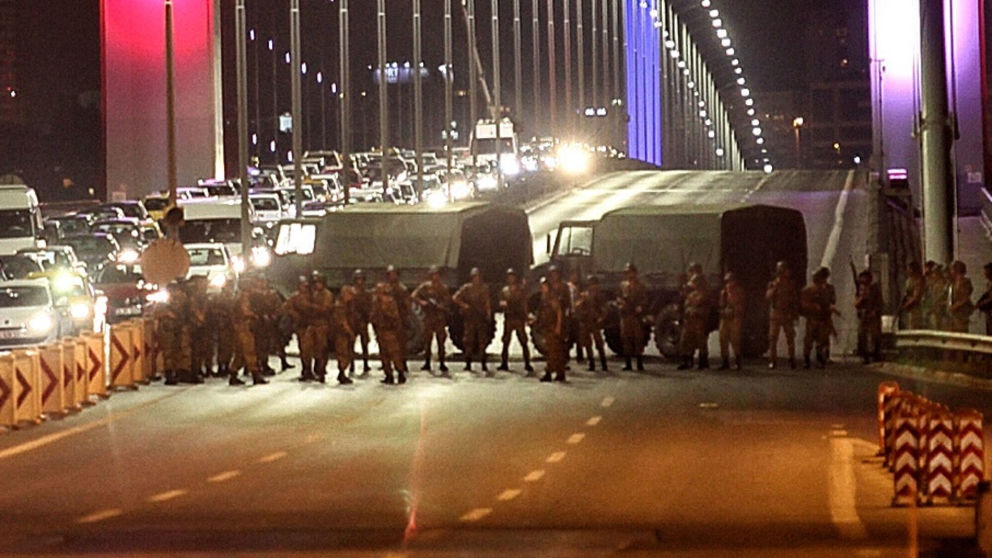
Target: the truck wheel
(666, 331)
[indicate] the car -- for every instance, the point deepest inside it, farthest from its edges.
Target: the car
(134, 209)
(28, 316)
(76, 298)
(95, 249)
(20, 218)
(100, 213)
(72, 223)
(18, 267)
(219, 188)
(150, 232)
(126, 290)
(55, 257)
(127, 233)
(156, 205)
(213, 261)
(267, 206)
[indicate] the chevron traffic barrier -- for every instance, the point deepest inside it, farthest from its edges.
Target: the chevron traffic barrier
(82, 374)
(95, 365)
(885, 391)
(970, 444)
(891, 410)
(53, 399)
(140, 355)
(905, 455)
(27, 373)
(938, 466)
(902, 404)
(73, 401)
(121, 358)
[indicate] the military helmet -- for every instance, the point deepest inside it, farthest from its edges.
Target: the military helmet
(729, 276)
(317, 277)
(303, 279)
(432, 270)
(553, 269)
(630, 267)
(475, 271)
(511, 271)
(390, 268)
(358, 273)
(592, 280)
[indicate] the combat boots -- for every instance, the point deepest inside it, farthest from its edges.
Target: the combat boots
(388, 380)
(602, 362)
(592, 364)
(233, 380)
(686, 363)
(343, 378)
(546, 377)
(640, 363)
(725, 365)
(258, 380)
(170, 378)
(627, 367)
(285, 364)
(560, 377)
(737, 363)
(401, 377)
(704, 363)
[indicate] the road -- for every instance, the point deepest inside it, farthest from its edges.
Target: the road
(685, 464)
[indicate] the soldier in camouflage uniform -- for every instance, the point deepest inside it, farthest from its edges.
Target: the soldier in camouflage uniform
(633, 302)
(693, 335)
(387, 323)
(318, 318)
(817, 306)
(550, 321)
(266, 303)
(477, 313)
(513, 303)
(244, 332)
(344, 337)
(590, 312)
(222, 309)
(200, 328)
(434, 301)
(297, 307)
(172, 318)
(783, 301)
(359, 316)
(402, 298)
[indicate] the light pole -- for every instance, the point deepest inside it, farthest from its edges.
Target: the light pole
(418, 100)
(448, 101)
(567, 44)
(535, 37)
(344, 62)
(497, 103)
(552, 106)
(595, 54)
(383, 99)
(517, 71)
(797, 124)
(473, 78)
(242, 77)
(579, 50)
(170, 106)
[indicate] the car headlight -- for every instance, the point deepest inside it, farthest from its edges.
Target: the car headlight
(573, 159)
(79, 310)
(160, 296)
(487, 182)
(260, 257)
(128, 256)
(218, 281)
(41, 324)
(437, 199)
(510, 166)
(238, 263)
(63, 282)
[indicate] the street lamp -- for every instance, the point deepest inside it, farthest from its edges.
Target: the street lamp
(797, 124)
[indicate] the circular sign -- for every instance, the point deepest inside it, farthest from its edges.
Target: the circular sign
(164, 260)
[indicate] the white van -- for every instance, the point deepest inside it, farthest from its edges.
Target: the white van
(217, 220)
(20, 218)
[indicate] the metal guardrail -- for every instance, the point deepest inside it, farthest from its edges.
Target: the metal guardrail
(957, 352)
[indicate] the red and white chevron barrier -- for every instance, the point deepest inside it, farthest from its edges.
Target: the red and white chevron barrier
(885, 392)
(970, 445)
(905, 458)
(938, 466)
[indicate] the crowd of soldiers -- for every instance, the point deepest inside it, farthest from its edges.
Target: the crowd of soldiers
(241, 329)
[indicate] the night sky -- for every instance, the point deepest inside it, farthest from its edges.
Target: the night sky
(60, 66)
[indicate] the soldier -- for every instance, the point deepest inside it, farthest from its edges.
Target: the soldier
(223, 312)
(344, 337)
(200, 329)
(171, 318)
(633, 302)
(783, 301)
(869, 306)
(477, 313)
(590, 313)
(387, 323)
(513, 303)
(816, 304)
(984, 304)
(434, 301)
(574, 286)
(550, 321)
(359, 315)
(297, 307)
(402, 298)
(274, 341)
(935, 297)
(912, 298)
(244, 331)
(731, 316)
(959, 298)
(693, 336)
(318, 319)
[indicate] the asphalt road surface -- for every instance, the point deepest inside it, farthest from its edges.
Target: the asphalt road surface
(762, 463)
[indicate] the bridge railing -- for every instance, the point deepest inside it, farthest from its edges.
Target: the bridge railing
(966, 353)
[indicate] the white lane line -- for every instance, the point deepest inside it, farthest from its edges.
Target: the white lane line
(100, 515)
(476, 514)
(508, 495)
(225, 476)
(607, 401)
(534, 476)
(575, 438)
(556, 457)
(841, 490)
(834, 239)
(272, 457)
(168, 495)
(594, 421)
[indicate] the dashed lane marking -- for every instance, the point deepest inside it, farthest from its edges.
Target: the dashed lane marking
(476, 514)
(166, 496)
(841, 490)
(508, 495)
(534, 476)
(556, 457)
(225, 476)
(594, 421)
(576, 438)
(272, 457)
(607, 401)
(100, 515)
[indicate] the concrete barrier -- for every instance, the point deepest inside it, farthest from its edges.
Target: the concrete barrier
(53, 398)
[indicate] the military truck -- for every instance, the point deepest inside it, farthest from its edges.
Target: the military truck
(662, 241)
(455, 237)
